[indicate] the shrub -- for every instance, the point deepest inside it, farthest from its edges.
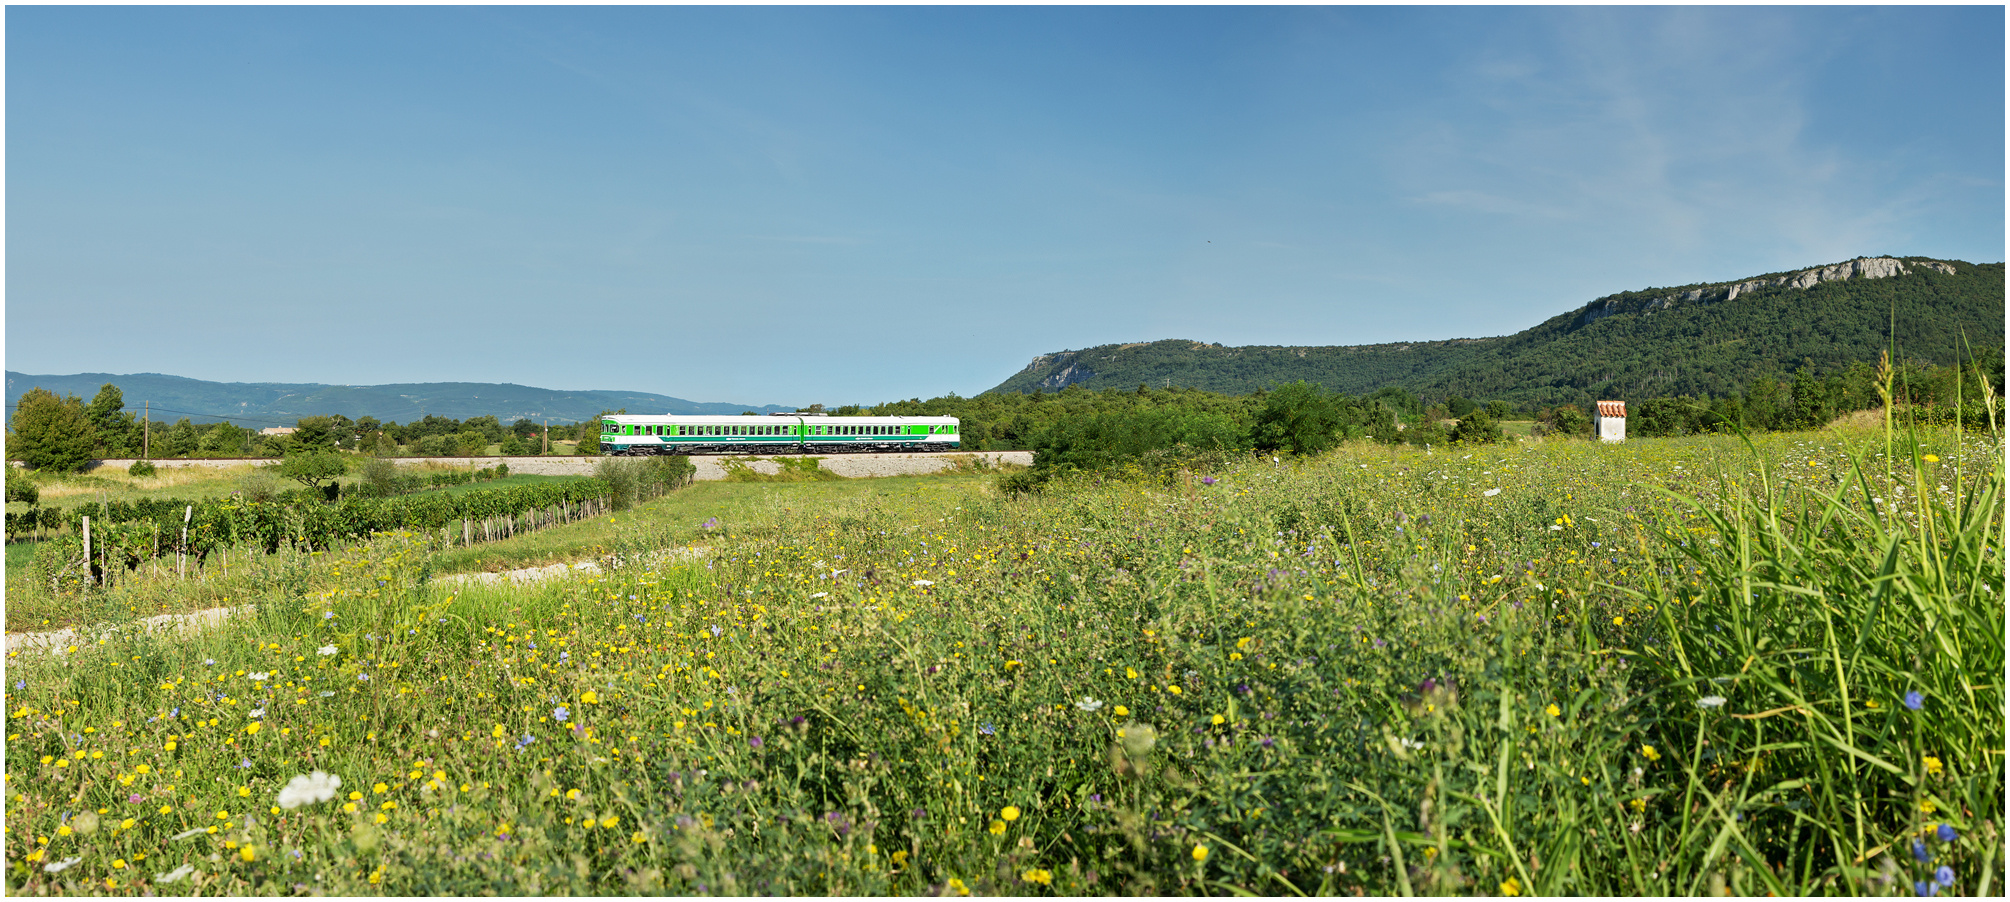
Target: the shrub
(21, 488)
(141, 468)
(1477, 428)
(1299, 418)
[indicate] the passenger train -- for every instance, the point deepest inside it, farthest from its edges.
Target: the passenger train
(796, 433)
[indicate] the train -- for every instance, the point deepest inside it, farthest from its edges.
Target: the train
(623, 435)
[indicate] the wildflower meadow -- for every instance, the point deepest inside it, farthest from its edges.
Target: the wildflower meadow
(1673, 666)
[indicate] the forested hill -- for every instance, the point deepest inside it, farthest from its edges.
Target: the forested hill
(1657, 342)
(280, 404)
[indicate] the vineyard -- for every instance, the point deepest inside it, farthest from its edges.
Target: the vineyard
(96, 543)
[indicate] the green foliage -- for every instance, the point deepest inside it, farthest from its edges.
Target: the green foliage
(20, 488)
(512, 446)
(51, 433)
(140, 468)
(1477, 427)
(1110, 442)
(1564, 420)
(317, 470)
(789, 469)
(1299, 418)
(631, 481)
(107, 416)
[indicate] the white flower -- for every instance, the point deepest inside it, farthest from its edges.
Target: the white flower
(175, 874)
(819, 594)
(188, 833)
(327, 649)
(261, 677)
(1555, 528)
(837, 573)
(1088, 704)
(1409, 743)
(1710, 701)
(308, 789)
(924, 582)
(57, 867)
(326, 694)
(1491, 492)
(257, 713)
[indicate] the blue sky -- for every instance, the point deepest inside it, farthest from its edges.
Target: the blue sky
(796, 205)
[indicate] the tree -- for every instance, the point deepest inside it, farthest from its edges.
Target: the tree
(1477, 428)
(107, 415)
(1299, 418)
(315, 469)
(315, 433)
(52, 433)
(224, 440)
(512, 446)
(181, 440)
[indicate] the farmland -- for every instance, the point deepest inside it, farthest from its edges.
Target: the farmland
(1676, 666)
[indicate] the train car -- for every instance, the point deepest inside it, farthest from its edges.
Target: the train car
(629, 435)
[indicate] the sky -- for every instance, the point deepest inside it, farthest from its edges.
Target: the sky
(767, 205)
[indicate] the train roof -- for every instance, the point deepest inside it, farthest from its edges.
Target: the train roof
(727, 419)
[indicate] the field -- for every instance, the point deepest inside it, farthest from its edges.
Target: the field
(1668, 667)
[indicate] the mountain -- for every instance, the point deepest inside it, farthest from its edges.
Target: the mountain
(1691, 339)
(281, 403)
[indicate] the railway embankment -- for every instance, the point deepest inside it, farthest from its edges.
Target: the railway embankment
(850, 466)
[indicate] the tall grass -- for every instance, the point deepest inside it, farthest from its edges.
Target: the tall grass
(1676, 666)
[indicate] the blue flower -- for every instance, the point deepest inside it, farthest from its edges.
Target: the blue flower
(716, 631)
(1919, 851)
(1946, 833)
(1925, 888)
(987, 729)
(560, 714)
(1944, 876)
(1914, 700)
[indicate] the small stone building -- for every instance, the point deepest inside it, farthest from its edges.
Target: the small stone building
(1610, 424)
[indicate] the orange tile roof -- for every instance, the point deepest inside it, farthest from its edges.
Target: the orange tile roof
(1612, 409)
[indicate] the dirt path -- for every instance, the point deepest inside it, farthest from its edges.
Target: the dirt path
(60, 641)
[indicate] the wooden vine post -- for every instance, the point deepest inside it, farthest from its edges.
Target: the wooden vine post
(186, 514)
(87, 550)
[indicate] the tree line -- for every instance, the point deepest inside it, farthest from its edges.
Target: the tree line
(62, 433)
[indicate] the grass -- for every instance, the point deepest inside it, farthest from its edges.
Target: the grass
(1668, 667)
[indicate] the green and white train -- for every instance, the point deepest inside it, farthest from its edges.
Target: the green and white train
(626, 435)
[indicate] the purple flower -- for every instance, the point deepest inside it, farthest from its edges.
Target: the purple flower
(560, 714)
(754, 741)
(136, 798)
(716, 631)
(1207, 480)
(1915, 700)
(1944, 876)
(1946, 833)
(1919, 851)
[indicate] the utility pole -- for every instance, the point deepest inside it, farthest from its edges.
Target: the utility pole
(547, 435)
(146, 431)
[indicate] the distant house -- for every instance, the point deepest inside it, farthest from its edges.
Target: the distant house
(277, 430)
(1610, 424)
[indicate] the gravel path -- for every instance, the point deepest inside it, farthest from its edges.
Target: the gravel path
(58, 641)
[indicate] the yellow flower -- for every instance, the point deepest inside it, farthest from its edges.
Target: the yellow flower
(997, 828)
(380, 789)
(1037, 875)
(1010, 813)
(249, 730)
(1618, 621)
(1510, 887)
(640, 837)
(1933, 765)
(1639, 805)
(1649, 752)
(1200, 853)
(1173, 689)
(1122, 711)
(118, 863)
(1931, 458)
(610, 823)
(1131, 674)
(248, 853)
(956, 887)
(1218, 720)
(590, 698)
(1553, 710)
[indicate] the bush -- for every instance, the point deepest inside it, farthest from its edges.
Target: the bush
(1299, 418)
(21, 488)
(141, 468)
(1563, 419)
(1477, 428)
(1154, 441)
(632, 481)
